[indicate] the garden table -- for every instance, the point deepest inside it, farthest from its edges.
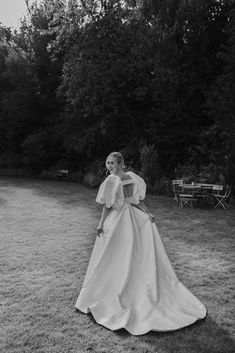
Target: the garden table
(197, 192)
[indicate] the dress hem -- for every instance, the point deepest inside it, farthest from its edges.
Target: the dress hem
(89, 311)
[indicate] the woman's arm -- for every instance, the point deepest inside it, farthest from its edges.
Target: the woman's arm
(144, 208)
(104, 215)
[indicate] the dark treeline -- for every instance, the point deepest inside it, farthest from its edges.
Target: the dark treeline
(155, 80)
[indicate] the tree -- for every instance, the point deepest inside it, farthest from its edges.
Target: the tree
(221, 102)
(91, 76)
(29, 104)
(106, 80)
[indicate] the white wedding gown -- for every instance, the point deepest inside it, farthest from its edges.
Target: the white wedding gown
(130, 282)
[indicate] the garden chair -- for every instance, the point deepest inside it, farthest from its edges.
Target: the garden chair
(62, 174)
(217, 188)
(205, 194)
(176, 188)
(221, 199)
(187, 197)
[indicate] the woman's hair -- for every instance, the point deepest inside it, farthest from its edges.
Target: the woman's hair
(118, 156)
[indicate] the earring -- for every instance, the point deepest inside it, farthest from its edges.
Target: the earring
(107, 172)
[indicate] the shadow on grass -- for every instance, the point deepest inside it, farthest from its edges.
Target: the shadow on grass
(3, 202)
(62, 190)
(68, 194)
(203, 336)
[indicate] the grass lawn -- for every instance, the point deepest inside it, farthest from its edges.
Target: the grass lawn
(47, 231)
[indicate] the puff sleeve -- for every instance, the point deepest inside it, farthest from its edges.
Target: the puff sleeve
(110, 192)
(139, 190)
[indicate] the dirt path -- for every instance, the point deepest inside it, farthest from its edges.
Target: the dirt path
(47, 231)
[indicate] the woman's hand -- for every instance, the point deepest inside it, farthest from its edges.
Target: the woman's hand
(152, 218)
(99, 230)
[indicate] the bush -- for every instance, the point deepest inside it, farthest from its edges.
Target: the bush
(150, 166)
(9, 160)
(211, 174)
(77, 176)
(162, 186)
(95, 174)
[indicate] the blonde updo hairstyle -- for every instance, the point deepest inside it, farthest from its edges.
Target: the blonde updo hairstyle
(119, 158)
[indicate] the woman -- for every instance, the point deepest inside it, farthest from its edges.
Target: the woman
(130, 282)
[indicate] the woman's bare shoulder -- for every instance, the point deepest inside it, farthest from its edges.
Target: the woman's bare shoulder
(131, 174)
(112, 178)
(126, 176)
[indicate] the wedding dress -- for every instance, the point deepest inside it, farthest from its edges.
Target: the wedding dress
(130, 282)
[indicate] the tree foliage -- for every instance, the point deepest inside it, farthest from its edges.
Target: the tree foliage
(81, 78)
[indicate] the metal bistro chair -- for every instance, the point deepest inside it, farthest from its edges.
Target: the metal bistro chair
(221, 199)
(205, 194)
(176, 188)
(187, 197)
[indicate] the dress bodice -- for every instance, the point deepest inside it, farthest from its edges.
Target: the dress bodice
(127, 188)
(114, 192)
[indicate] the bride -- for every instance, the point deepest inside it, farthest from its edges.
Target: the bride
(130, 282)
